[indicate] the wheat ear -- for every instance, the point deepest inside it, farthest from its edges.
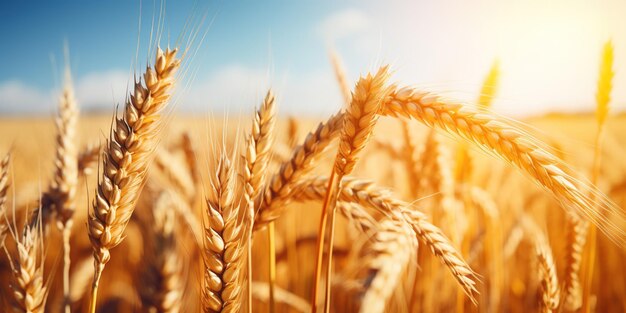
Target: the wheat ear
(256, 160)
(162, 274)
(126, 158)
(63, 187)
(4, 187)
(490, 86)
(368, 195)
(223, 244)
(29, 290)
(410, 156)
(500, 138)
(87, 159)
(175, 173)
(358, 124)
(549, 282)
(340, 75)
(603, 98)
(277, 194)
(574, 247)
(292, 132)
(381, 263)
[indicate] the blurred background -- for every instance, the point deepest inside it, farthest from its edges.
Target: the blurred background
(548, 51)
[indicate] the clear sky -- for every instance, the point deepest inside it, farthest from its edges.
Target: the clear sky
(548, 50)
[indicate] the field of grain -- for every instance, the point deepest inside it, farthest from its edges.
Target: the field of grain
(403, 201)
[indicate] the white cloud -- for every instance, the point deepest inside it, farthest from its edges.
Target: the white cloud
(232, 88)
(235, 89)
(343, 24)
(102, 90)
(239, 89)
(17, 97)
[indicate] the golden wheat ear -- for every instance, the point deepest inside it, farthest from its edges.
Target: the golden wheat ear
(500, 138)
(550, 294)
(126, 158)
(278, 192)
(162, 271)
(29, 288)
(381, 262)
(223, 244)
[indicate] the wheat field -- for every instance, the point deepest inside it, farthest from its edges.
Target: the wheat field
(402, 201)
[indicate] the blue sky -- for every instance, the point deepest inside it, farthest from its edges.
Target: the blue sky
(548, 51)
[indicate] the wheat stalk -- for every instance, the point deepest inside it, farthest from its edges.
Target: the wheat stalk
(549, 280)
(278, 192)
(498, 137)
(125, 160)
(358, 124)
(256, 160)
(603, 97)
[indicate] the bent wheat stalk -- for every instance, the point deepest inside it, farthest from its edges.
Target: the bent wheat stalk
(500, 138)
(125, 160)
(358, 124)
